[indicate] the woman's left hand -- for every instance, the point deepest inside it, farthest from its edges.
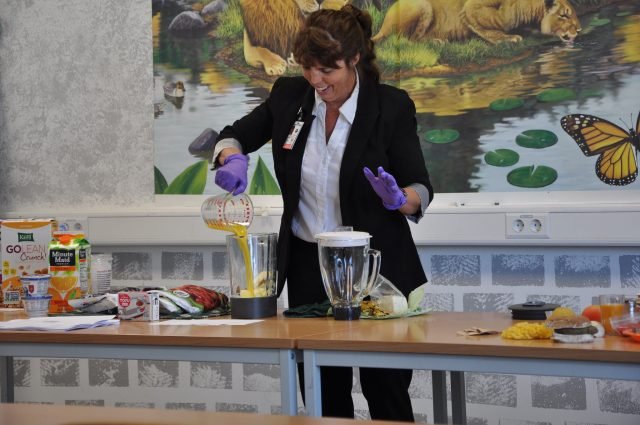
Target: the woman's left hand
(387, 189)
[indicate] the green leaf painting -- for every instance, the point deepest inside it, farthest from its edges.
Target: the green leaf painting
(536, 139)
(532, 177)
(191, 181)
(442, 136)
(263, 182)
(501, 157)
(160, 182)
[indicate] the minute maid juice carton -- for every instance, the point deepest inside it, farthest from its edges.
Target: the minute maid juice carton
(68, 266)
(24, 252)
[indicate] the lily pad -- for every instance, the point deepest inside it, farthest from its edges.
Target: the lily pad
(624, 13)
(556, 95)
(262, 182)
(506, 104)
(442, 136)
(191, 181)
(502, 157)
(598, 22)
(532, 177)
(159, 180)
(536, 139)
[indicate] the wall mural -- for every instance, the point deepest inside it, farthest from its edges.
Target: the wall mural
(511, 95)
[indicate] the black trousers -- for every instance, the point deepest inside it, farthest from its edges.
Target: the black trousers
(386, 390)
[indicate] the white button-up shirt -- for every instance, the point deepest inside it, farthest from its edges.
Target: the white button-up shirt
(319, 207)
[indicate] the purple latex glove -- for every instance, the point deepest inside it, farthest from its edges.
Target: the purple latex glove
(232, 175)
(387, 189)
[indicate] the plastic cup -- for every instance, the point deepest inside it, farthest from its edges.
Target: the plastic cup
(611, 305)
(35, 284)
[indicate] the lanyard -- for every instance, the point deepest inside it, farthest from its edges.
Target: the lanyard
(294, 132)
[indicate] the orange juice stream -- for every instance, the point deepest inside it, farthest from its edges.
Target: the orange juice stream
(240, 231)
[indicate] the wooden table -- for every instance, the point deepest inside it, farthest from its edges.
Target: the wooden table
(34, 414)
(271, 341)
(430, 342)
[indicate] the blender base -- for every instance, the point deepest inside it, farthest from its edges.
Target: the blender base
(253, 308)
(346, 313)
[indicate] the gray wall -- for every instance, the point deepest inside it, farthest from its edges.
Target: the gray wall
(76, 120)
(76, 113)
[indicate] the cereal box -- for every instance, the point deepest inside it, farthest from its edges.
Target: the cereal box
(24, 252)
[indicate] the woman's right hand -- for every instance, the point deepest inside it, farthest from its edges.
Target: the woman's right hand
(232, 174)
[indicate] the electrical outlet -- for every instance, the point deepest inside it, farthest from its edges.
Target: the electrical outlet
(73, 224)
(527, 226)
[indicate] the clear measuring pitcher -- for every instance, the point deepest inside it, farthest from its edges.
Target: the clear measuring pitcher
(344, 264)
(227, 212)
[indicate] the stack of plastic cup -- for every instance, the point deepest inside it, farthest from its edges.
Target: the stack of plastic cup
(35, 296)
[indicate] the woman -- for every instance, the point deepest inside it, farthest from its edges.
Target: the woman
(346, 153)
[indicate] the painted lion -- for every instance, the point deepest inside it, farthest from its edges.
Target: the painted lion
(449, 20)
(269, 31)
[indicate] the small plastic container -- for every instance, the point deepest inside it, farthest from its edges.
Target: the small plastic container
(35, 284)
(37, 305)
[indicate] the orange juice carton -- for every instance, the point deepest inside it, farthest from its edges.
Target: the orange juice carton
(23, 252)
(84, 253)
(67, 263)
(138, 305)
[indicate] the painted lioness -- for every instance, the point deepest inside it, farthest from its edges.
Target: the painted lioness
(269, 29)
(449, 20)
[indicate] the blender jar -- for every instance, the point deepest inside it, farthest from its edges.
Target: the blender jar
(344, 264)
(252, 270)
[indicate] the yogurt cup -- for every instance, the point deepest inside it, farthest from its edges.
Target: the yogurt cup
(35, 284)
(37, 305)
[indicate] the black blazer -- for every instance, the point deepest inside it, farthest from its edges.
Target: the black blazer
(383, 134)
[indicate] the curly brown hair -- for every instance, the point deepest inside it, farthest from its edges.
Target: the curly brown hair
(329, 36)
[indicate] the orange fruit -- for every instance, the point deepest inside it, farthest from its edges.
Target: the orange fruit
(592, 312)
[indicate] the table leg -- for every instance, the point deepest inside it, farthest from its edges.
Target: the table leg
(312, 384)
(439, 385)
(288, 387)
(6, 379)
(458, 398)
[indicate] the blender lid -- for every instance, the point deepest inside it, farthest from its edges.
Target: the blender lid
(343, 238)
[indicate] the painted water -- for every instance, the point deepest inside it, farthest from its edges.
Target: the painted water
(603, 71)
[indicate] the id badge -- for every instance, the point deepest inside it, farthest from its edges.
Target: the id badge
(293, 135)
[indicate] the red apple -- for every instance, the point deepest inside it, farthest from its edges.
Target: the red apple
(592, 312)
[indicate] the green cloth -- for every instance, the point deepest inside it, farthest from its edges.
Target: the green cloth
(322, 309)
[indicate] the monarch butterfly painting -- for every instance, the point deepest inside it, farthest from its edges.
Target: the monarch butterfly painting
(617, 147)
